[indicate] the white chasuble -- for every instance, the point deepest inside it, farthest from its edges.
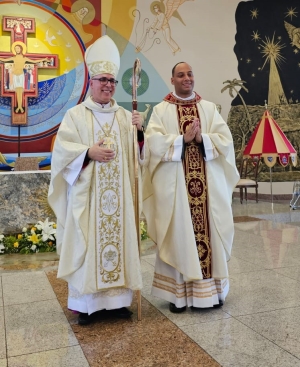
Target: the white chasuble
(94, 205)
(109, 190)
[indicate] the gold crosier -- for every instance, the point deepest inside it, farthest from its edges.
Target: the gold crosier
(136, 73)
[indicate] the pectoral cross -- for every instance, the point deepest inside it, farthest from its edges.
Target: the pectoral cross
(109, 143)
(19, 69)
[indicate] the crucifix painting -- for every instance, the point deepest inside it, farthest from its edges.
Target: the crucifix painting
(20, 69)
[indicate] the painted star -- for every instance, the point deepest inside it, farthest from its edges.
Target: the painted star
(279, 37)
(299, 64)
(248, 61)
(254, 13)
(259, 68)
(291, 13)
(255, 36)
(296, 51)
(271, 51)
(253, 75)
(292, 91)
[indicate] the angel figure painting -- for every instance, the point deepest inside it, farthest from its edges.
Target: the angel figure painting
(294, 34)
(163, 13)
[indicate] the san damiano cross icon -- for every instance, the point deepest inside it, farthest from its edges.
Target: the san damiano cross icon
(19, 69)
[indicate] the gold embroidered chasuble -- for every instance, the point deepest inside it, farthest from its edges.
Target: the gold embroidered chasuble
(109, 191)
(96, 234)
(170, 187)
(195, 178)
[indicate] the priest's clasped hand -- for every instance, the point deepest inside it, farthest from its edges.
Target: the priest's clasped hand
(137, 120)
(193, 131)
(99, 153)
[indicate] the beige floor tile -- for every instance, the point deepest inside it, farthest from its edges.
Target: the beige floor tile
(280, 327)
(146, 266)
(26, 287)
(237, 266)
(147, 282)
(271, 255)
(2, 335)
(1, 291)
(3, 362)
(64, 357)
(244, 238)
(188, 317)
(36, 327)
(151, 260)
(290, 272)
(261, 291)
(262, 207)
(233, 344)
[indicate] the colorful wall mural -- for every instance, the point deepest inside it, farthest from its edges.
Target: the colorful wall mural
(267, 50)
(37, 90)
(255, 45)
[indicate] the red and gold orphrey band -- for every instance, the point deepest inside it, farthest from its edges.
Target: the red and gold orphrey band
(195, 178)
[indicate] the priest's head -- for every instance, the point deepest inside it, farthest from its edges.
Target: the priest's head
(102, 59)
(183, 79)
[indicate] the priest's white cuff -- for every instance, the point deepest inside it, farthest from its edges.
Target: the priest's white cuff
(210, 150)
(174, 152)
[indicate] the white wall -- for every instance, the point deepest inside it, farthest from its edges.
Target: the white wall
(206, 43)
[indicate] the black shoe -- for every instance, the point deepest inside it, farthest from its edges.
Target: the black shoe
(85, 318)
(120, 313)
(219, 305)
(175, 309)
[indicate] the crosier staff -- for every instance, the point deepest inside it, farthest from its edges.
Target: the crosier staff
(136, 72)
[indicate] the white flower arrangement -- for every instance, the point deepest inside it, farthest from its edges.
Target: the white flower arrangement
(38, 238)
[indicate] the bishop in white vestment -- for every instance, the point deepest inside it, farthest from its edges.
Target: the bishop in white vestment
(92, 194)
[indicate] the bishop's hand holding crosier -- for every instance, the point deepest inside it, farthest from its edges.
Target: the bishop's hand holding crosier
(137, 120)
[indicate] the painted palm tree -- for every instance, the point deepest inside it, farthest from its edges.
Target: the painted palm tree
(232, 86)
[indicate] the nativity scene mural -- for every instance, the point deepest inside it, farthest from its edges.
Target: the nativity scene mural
(268, 53)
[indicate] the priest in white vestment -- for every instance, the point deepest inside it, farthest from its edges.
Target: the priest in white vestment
(92, 194)
(187, 190)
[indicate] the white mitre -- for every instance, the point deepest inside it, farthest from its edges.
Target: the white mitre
(102, 57)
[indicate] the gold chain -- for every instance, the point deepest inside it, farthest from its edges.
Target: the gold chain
(107, 135)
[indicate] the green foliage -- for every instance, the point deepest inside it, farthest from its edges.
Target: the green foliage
(143, 231)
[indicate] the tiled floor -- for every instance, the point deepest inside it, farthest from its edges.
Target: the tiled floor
(258, 326)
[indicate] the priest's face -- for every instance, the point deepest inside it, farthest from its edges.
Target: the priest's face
(183, 80)
(103, 87)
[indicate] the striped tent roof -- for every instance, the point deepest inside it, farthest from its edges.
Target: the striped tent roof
(269, 141)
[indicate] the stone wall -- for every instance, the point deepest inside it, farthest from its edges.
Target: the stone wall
(23, 199)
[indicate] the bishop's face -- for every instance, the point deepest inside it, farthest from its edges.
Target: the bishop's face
(102, 91)
(183, 80)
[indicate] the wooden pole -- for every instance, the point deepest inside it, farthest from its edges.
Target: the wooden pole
(135, 80)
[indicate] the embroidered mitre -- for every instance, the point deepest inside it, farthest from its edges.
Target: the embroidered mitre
(102, 57)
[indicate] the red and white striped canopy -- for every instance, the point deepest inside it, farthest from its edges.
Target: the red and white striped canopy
(269, 142)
